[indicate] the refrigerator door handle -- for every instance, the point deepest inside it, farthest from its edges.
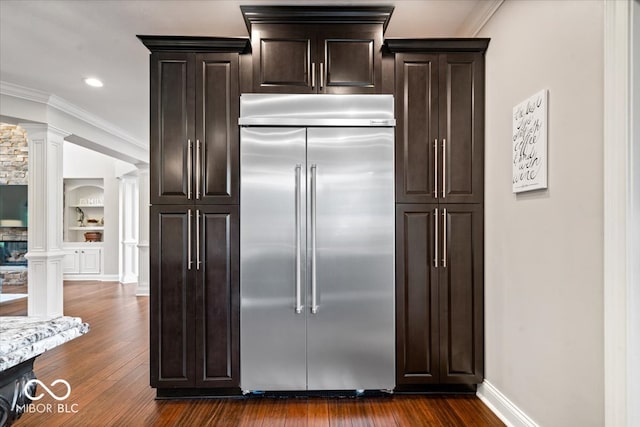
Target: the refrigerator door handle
(444, 168)
(298, 224)
(314, 285)
(189, 167)
(435, 168)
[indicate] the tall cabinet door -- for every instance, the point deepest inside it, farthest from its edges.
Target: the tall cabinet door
(172, 127)
(417, 132)
(461, 290)
(171, 296)
(216, 145)
(417, 320)
(217, 308)
(462, 127)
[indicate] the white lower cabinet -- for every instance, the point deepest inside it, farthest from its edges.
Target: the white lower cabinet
(82, 260)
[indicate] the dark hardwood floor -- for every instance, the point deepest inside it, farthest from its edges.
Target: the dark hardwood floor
(108, 370)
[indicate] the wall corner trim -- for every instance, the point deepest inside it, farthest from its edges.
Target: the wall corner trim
(504, 408)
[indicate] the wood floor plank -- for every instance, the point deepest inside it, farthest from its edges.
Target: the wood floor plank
(108, 370)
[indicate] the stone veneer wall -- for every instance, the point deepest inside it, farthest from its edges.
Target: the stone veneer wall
(14, 155)
(14, 170)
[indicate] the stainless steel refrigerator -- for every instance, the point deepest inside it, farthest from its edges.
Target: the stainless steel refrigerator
(317, 242)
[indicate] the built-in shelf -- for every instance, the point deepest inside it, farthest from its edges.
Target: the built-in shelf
(83, 201)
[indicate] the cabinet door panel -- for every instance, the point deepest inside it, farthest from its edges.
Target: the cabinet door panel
(417, 130)
(417, 341)
(462, 126)
(217, 128)
(351, 57)
(171, 313)
(218, 298)
(71, 262)
(282, 58)
(461, 294)
(90, 261)
(172, 106)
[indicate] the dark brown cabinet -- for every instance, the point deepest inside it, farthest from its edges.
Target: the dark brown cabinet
(194, 224)
(337, 58)
(439, 99)
(439, 294)
(440, 132)
(194, 127)
(194, 296)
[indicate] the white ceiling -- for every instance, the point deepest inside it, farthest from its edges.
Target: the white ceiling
(51, 45)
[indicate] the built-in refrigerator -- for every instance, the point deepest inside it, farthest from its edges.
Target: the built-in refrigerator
(317, 242)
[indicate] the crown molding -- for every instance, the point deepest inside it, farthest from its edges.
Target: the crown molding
(478, 18)
(195, 44)
(334, 14)
(60, 104)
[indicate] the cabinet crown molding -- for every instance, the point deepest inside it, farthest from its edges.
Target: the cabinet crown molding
(194, 44)
(316, 15)
(437, 45)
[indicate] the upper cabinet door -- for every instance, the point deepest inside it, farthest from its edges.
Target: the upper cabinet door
(349, 58)
(462, 127)
(417, 174)
(216, 147)
(172, 127)
(340, 58)
(282, 59)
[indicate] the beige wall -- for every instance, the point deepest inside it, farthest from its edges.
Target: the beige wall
(544, 249)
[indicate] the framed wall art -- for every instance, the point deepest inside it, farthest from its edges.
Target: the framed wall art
(529, 153)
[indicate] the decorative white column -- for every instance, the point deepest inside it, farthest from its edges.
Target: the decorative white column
(143, 229)
(45, 252)
(129, 228)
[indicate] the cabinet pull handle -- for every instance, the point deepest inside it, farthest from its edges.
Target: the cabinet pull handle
(189, 260)
(314, 284)
(444, 237)
(444, 168)
(298, 196)
(189, 167)
(198, 169)
(313, 75)
(321, 75)
(198, 262)
(435, 238)
(435, 167)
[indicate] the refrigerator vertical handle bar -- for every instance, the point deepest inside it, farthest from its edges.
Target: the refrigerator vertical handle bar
(189, 260)
(321, 75)
(314, 285)
(313, 75)
(298, 195)
(189, 167)
(198, 239)
(435, 168)
(444, 168)
(198, 169)
(435, 238)
(444, 238)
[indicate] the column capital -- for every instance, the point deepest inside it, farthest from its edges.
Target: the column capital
(32, 128)
(142, 167)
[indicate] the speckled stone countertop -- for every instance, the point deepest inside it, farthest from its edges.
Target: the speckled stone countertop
(22, 337)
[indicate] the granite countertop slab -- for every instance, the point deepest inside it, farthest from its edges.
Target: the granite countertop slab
(22, 338)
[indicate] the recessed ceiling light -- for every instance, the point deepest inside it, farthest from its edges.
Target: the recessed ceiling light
(92, 81)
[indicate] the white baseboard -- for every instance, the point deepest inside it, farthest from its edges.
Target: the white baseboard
(505, 409)
(98, 277)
